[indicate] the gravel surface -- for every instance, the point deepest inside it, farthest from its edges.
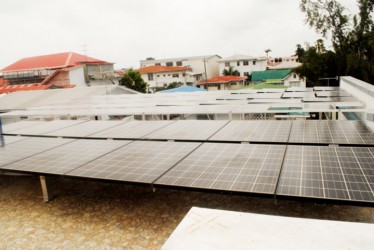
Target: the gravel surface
(85, 214)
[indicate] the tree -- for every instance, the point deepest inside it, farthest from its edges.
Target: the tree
(230, 72)
(133, 80)
(300, 51)
(352, 40)
(317, 63)
(267, 52)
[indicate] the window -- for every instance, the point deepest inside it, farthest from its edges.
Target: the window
(169, 63)
(246, 73)
(169, 74)
(238, 63)
(157, 64)
(179, 63)
(233, 83)
(164, 75)
(184, 74)
(294, 76)
(158, 75)
(254, 62)
(245, 63)
(227, 64)
(150, 77)
(175, 75)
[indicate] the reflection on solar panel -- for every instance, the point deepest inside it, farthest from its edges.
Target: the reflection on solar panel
(132, 130)
(45, 127)
(67, 157)
(140, 161)
(339, 173)
(188, 130)
(332, 94)
(5, 140)
(331, 132)
(231, 167)
(85, 129)
(254, 131)
(19, 125)
(26, 148)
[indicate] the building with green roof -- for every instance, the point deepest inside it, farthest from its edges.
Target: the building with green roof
(270, 75)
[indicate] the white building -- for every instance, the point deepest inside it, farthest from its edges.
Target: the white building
(161, 76)
(242, 63)
(294, 80)
(201, 67)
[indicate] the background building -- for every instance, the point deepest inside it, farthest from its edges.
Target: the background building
(245, 65)
(201, 67)
(58, 70)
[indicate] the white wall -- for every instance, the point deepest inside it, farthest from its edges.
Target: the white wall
(293, 80)
(259, 66)
(195, 64)
(76, 77)
(162, 78)
(364, 92)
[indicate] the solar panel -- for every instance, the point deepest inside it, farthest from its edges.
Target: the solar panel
(254, 131)
(188, 130)
(332, 94)
(231, 167)
(322, 88)
(67, 157)
(19, 125)
(85, 129)
(298, 95)
(26, 148)
(299, 89)
(140, 161)
(5, 140)
(132, 130)
(327, 173)
(331, 132)
(45, 127)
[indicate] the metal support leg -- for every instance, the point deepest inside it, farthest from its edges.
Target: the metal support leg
(46, 195)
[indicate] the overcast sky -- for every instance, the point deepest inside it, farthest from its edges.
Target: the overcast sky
(126, 31)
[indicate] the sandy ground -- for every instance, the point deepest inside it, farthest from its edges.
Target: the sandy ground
(97, 215)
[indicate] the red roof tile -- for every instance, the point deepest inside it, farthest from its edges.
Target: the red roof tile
(53, 61)
(159, 69)
(222, 79)
(22, 87)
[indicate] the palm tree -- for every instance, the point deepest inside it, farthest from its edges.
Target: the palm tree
(230, 72)
(267, 52)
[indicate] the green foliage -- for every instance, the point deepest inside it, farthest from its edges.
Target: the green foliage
(172, 85)
(230, 72)
(133, 80)
(353, 44)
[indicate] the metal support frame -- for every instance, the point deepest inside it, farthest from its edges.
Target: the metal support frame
(46, 195)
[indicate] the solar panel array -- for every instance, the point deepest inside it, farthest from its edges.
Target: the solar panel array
(332, 94)
(45, 127)
(254, 131)
(331, 132)
(140, 161)
(65, 158)
(188, 130)
(5, 140)
(132, 130)
(343, 173)
(85, 129)
(338, 173)
(19, 125)
(230, 167)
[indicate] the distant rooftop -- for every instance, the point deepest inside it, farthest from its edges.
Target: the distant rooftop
(269, 74)
(239, 57)
(181, 58)
(52, 61)
(159, 69)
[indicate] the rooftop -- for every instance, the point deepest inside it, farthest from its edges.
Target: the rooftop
(159, 69)
(270, 74)
(239, 57)
(222, 79)
(52, 61)
(181, 58)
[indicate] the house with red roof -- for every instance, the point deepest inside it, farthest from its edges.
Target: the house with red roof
(161, 76)
(62, 70)
(222, 83)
